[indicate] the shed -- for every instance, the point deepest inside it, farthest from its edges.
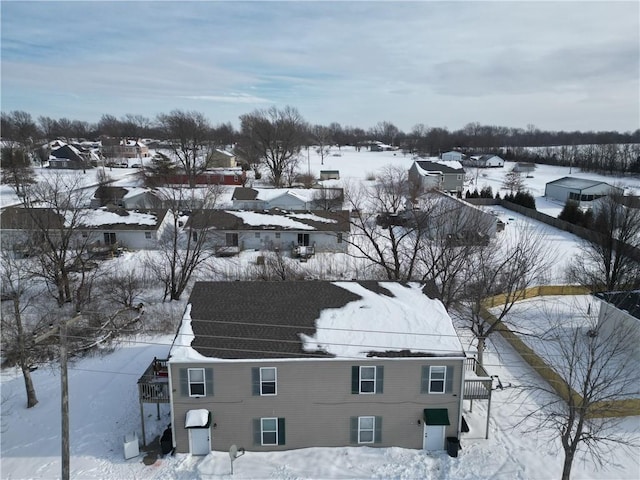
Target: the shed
(329, 174)
(578, 189)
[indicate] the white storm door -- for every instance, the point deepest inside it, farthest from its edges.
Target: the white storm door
(199, 441)
(433, 437)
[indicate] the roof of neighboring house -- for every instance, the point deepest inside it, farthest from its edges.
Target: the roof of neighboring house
(250, 320)
(442, 166)
(274, 219)
(68, 152)
(224, 152)
(120, 219)
(627, 301)
(108, 191)
(242, 193)
(17, 218)
(577, 183)
(486, 158)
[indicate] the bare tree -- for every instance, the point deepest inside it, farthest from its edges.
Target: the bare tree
(124, 288)
(190, 137)
(17, 169)
(275, 137)
(275, 266)
(611, 259)
(322, 139)
(506, 267)
(456, 234)
(16, 333)
(597, 369)
(383, 231)
(55, 214)
(513, 181)
(182, 250)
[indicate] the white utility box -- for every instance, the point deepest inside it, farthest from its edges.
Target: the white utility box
(131, 447)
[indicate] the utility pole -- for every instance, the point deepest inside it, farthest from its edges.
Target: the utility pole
(64, 401)
(64, 378)
(64, 388)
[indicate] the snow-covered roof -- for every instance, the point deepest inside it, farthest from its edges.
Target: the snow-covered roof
(313, 319)
(122, 219)
(274, 219)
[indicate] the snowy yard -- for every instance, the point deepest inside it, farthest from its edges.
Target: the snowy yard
(104, 408)
(104, 404)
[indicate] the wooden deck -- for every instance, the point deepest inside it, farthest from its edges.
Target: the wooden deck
(477, 383)
(153, 385)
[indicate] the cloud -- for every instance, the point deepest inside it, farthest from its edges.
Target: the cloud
(351, 62)
(230, 98)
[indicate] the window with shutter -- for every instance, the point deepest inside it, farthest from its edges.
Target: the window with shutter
(196, 382)
(367, 379)
(437, 376)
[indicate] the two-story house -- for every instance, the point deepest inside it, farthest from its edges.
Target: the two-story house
(285, 365)
(447, 176)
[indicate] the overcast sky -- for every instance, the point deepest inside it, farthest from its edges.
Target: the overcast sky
(558, 65)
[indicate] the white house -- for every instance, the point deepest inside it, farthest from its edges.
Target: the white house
(275, 229)
(286, 199)
(484, 161)
(132, 229)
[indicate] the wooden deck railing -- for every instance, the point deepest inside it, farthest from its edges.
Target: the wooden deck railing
(153, 385)
(478, 387)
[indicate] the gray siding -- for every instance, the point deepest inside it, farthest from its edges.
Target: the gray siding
(315, 399)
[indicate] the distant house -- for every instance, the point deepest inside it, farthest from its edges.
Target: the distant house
(124, 148)
(125, 197)
(578, 189)
(132, 229)
(440, 175)
(446, 217)
(232, 231)
(287, 199)
(212, 176)
(222, 159)
(620, 311)
(68, 157)
(283, 365)
(21, 227)
(329, 175)
(484, 161)
(453, 156)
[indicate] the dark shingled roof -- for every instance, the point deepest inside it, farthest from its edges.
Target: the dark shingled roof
(226, 220)
(243, 193)
(234, 320)
(15, 218)
(438, 167)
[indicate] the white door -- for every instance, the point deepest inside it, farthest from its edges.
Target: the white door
(433, 437)
(199, 441)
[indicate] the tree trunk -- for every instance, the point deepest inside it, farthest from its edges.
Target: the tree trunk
(32, 400)
(481, 341)
(566, 467)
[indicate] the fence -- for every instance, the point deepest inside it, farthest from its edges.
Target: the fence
(614, 408)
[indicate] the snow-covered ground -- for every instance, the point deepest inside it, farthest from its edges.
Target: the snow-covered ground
(359, 165)
(104, 405)
(104, 408)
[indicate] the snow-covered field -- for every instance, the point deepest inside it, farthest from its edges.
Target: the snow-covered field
(104, 405)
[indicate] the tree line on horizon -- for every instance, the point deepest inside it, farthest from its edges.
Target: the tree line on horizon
(609, 152)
